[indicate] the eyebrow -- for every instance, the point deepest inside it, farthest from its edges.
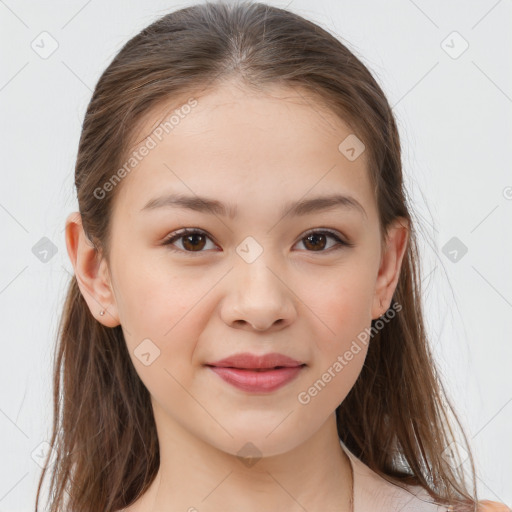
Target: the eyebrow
(215, 207)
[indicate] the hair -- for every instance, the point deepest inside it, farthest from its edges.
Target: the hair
(397, 417)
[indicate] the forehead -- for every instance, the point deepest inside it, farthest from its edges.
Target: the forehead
(239, 145)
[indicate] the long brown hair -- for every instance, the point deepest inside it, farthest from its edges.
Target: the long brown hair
(397, 418)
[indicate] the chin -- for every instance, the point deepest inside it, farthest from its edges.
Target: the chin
(255, 446)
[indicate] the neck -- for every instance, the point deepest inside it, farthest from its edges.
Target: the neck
(195, 476)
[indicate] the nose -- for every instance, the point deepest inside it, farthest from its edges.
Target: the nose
(258, 298)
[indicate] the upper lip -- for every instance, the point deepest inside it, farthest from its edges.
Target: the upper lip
(252, 361)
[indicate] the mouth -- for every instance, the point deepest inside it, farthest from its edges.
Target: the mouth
(256, 369)
(249, 361)
(257, 380)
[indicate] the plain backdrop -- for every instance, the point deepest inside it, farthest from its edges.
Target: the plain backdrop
(446, 69)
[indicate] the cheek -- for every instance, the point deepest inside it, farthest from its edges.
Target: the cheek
(342, 304)
(344, 308)
(165, 312)
(161, 317)
(156, 298)
(163, 331)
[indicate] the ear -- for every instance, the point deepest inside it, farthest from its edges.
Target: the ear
(390, 265)
(91, 272)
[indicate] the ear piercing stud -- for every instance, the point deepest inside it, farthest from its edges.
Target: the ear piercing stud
(102, 312)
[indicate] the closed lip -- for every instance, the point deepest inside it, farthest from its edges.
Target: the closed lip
(246, 360)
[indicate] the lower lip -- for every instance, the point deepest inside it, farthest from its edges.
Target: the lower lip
(257, 382)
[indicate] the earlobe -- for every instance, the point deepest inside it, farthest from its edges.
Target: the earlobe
(390, 266)
(91, 272)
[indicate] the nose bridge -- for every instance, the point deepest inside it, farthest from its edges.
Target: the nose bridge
(256, 269)
(258, 294)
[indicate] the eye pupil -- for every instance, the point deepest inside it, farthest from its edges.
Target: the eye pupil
(187, 238)
(314, 237)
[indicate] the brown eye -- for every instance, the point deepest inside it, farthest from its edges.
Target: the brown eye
(192, 240)
(316, 241)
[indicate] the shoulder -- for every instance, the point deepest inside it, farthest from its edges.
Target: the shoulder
(492, 506)
(392, 497)
(372, 492)
(487, 506)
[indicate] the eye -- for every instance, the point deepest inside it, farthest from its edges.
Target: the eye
(194, 240)
(317, 240)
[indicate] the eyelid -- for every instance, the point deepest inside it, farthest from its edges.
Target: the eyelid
(176, 235)
(336, 234)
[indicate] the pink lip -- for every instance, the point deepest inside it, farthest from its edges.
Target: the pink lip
(257, 381)
(251, 361)
(257, 373)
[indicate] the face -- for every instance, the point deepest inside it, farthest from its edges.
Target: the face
(267, 275)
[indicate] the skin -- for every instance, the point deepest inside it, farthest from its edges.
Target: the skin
(257, 151)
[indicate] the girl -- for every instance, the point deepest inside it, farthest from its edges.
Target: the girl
(244, 328)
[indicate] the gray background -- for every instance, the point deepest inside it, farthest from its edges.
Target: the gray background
(454, 113)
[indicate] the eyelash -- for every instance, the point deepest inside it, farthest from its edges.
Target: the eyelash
(192, 231)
